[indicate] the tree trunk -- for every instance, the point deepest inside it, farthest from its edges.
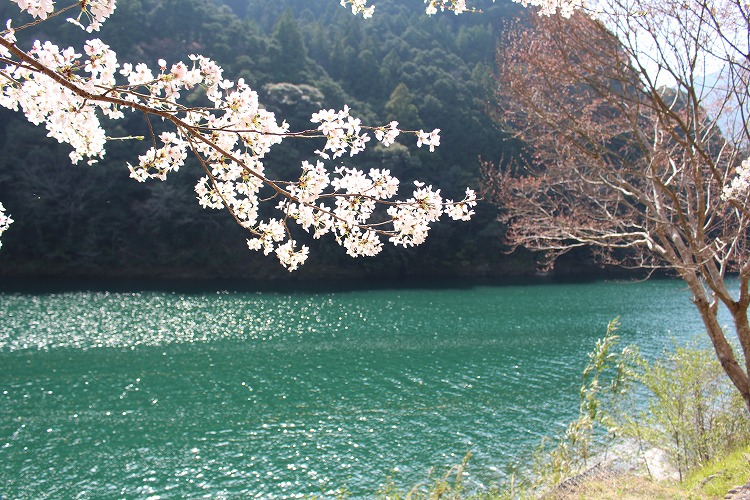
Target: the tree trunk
(709, 310)
(724, 351)
(739, 315)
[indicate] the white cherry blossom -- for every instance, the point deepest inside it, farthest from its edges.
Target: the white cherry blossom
(432, 140)
(565, 8)
(5, 221)
(290, 257)
(739, 187)
(359, 7)
(37, 8)
(387, 135)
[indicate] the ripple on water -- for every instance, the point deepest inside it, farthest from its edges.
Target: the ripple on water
(261, 395)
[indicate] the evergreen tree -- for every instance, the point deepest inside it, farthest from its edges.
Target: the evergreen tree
(288, 53)
(400, 107)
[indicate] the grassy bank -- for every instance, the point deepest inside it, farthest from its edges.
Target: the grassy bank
(711, 481)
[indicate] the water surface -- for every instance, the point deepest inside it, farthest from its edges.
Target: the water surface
(249, 394)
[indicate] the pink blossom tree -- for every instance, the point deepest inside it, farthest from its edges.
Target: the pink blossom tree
(636, 122)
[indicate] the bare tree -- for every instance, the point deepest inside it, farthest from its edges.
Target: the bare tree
(636, 122)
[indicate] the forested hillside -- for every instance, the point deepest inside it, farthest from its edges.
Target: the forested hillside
(301, 56)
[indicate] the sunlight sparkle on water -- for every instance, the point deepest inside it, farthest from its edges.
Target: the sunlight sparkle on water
(261, 395)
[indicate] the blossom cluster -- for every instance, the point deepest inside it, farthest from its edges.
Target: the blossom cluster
(457, 6)
(565, 8)
(346, 211)
(345, 201)
(430, 140)
(66, 113)
(387, 135)
(68, 91)
(37, 8)
(93, 12)
(342, 131)
(739, 187)
(5, 221)
(359, 7)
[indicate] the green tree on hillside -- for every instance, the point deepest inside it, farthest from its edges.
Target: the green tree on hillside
(287, 49)
(400, 107)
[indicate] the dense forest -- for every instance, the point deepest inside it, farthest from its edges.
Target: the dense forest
(301, 56)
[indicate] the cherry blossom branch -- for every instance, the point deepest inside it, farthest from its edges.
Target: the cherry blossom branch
(69, 92)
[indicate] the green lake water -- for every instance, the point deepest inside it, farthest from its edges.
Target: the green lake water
(273, 395)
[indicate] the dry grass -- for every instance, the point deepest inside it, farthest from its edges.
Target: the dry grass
(628, 487)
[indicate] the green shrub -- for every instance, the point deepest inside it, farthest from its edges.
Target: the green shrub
(693, 413)
(606, 380)
(447, 487)
(682, 404)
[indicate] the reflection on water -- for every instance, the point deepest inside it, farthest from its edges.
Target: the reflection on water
(283, 394)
